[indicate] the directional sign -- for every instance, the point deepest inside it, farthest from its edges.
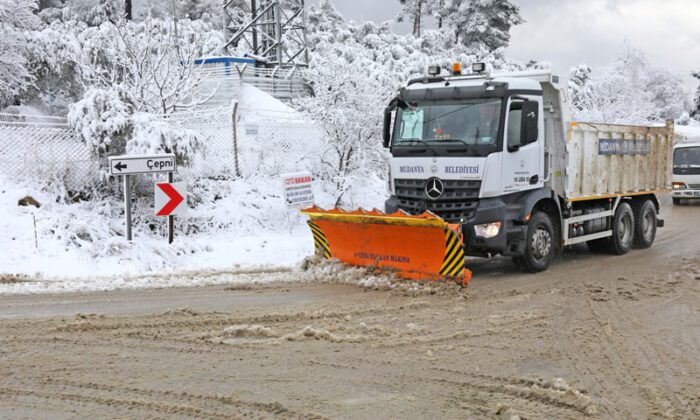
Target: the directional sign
(133, 164)
(170, 198)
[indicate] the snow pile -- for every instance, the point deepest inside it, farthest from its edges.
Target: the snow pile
(312, 333)
(246, 330)
(316, 269)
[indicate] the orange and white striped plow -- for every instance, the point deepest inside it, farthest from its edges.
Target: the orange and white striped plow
(422, 247)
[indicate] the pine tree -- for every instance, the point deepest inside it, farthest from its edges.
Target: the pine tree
(484, 23)
(413, 10)
(416, 10)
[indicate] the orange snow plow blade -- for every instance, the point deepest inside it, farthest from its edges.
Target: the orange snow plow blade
(423, 247)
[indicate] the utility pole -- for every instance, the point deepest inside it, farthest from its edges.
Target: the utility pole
(273, 30)
(127, 9)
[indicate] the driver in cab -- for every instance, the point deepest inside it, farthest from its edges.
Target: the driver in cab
(487, 129)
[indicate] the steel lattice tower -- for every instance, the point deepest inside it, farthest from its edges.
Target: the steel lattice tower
(274, 31)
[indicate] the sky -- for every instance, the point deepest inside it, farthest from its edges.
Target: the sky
(570, 32)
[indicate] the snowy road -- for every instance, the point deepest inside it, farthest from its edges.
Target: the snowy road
(595, 336)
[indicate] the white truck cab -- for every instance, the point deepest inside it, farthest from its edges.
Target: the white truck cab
(686, 172)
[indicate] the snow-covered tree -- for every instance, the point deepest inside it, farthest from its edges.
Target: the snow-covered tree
(415, 11)
(102, 118)
(580, 87)
(51, 54)
(208, 10)
(16, 17)
(695, 112)
(348, 106)
(629, 91)
(134, 70)
(481, 22)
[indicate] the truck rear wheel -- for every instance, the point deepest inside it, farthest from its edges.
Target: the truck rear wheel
(623, 230)
(540, 246)
(644, 224)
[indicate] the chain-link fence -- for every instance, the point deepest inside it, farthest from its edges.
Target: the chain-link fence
(41, 147)
(236, 142)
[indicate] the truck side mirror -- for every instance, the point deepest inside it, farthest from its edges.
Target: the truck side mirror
(386, 133)
(529, 131)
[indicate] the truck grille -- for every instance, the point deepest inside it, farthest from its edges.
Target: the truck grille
(694, 186)
(458, 201)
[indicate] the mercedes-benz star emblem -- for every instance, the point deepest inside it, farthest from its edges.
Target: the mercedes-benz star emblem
(434, 188)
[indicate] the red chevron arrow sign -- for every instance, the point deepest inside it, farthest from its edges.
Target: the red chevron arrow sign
(170, 198)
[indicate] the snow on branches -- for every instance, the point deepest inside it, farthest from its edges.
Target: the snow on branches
(16, 17)
(137, 74)
(630, 91)
(472, 23)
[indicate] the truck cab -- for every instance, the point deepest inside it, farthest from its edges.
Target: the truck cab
(686, 172)
(472, 149)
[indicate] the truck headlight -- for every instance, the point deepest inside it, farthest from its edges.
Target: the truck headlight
(488, 230)
(679, 186)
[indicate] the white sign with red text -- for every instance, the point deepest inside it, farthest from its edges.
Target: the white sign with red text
(298, 190)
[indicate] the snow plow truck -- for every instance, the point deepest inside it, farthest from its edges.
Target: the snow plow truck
(484, 165)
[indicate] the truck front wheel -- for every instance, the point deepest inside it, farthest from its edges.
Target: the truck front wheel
(540, 246)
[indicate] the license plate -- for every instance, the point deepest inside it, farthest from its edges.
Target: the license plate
(696, 193)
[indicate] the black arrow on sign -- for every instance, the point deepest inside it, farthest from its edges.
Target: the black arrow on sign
(119, 166)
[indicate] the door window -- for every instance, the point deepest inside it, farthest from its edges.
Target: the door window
(515, 113)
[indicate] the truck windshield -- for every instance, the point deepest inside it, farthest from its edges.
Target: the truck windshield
(472, 122)
(686, 157)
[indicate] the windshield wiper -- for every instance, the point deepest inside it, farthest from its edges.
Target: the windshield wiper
(412, 141)
(450, 139)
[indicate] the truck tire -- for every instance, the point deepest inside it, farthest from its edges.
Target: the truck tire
(644, 224)
(623, 230)
(676, 201)
(540, 244)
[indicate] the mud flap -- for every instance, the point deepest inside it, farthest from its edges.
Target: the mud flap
(422, 247)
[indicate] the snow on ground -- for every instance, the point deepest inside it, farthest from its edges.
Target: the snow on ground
(250, 97)
(236, 224)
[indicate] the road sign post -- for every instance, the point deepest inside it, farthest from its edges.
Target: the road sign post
(170, 201)
(140, 164)
(171, 218)
(127, 205)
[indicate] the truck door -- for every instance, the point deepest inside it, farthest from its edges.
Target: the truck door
(522, 158)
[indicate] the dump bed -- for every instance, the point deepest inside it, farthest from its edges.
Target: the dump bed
(607, 160)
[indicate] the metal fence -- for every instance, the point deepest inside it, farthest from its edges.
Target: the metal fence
(281, 83)
(41, 147)
(235, 142)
